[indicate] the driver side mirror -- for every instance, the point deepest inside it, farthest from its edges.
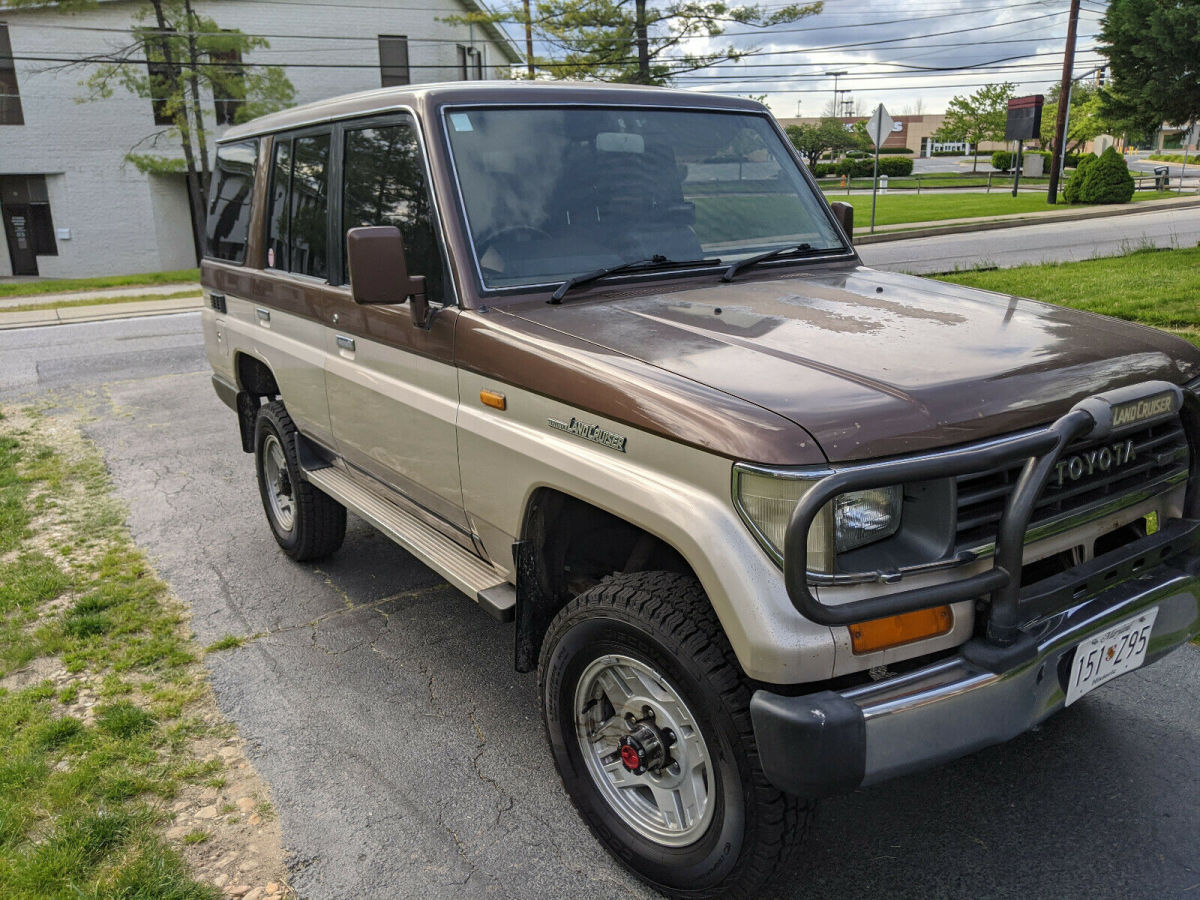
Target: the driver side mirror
(844, 213)
(379, 270)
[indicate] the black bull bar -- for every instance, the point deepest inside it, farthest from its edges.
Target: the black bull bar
(1094, 418)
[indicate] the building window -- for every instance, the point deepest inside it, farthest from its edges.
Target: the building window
(228, 84)
(470, 63)
(160, 81)
(10, 97)
(393, 60)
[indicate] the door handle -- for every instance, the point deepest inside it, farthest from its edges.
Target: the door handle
(264, 315)
(345, 343)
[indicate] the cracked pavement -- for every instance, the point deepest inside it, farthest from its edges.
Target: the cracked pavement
(406, 758)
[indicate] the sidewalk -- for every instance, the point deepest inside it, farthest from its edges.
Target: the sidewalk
(48, 315)
(149, 291)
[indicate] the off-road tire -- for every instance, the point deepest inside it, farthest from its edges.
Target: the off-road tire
(665, 621)
(317, 524)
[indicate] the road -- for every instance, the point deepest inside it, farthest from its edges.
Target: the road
(405, 757)
(1052, 241)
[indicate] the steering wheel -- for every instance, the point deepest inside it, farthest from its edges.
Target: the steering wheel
(496, 234)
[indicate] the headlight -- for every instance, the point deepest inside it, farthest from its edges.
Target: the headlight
(863, 517)
(766, 501)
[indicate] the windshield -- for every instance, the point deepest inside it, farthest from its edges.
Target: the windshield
(552, 193)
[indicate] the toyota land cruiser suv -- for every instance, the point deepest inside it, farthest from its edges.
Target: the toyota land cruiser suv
(770, 525)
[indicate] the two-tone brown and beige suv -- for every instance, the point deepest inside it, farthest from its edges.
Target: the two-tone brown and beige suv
(771, 525)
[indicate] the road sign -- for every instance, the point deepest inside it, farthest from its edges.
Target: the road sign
(1024, 120)
(879, 126)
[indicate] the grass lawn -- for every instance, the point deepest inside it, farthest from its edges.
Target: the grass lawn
(721, 218)
(62, 285)
(102, 700)
(1159, 288)
(895, 209)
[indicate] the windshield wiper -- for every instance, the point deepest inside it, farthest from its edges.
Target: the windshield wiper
(654, 262)
(798, 250)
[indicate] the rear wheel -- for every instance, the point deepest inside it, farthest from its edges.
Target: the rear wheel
(306, 523)
(648, 718)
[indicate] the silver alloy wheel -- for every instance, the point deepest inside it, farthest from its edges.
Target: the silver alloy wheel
(671, 805)
(280, 491)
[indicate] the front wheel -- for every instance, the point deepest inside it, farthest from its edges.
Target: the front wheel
(648, 718)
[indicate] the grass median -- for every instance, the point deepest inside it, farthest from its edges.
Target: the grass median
(1153, 287)
(103, 282)
(898, 209)
(104, 709)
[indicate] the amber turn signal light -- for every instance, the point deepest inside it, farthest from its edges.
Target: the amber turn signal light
(880, 634)
(494, 399)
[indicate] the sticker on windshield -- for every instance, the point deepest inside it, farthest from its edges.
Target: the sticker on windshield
(461, 122)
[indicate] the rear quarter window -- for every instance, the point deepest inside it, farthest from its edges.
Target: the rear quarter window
(229, 201)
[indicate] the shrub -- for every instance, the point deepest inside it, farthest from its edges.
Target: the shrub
(864, 168)
(823, 170)
(1107, 180)
(1075, 182)
(893, 150)
(1002, 160)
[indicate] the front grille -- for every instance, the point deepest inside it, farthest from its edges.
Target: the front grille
(1160, 455)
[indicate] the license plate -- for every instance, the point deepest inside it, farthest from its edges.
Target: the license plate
(1120, 649)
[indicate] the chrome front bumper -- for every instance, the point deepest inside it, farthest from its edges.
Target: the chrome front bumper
(833, 742)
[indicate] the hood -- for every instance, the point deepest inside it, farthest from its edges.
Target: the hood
(874, 363)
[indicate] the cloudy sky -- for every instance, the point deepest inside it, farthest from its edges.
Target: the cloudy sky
(910, 55)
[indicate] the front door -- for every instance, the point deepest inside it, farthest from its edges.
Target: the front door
(393, 387)
(18, 229)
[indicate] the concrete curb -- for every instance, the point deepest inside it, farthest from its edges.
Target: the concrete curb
(34, 318)
(1031, 219)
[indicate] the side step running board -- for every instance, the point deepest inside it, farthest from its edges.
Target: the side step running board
(463, 569)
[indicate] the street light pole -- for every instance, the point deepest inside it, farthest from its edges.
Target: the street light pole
(835, 90)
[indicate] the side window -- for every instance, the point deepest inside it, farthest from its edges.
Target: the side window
(297, 235)
(278, 218)
(310, 205)
(229, 201)
(385, 185)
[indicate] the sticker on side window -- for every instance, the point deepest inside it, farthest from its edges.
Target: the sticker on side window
(461, 122)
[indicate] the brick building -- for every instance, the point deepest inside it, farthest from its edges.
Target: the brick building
(72, 206)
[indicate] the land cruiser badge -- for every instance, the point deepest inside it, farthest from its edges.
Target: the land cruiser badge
(588, 432)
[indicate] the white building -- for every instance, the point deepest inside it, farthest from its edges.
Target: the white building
(70, 203)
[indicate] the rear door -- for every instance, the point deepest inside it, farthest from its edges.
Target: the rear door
(392, 387)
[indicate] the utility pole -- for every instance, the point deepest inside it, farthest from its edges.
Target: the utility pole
(529, 40)
(1064, 102)
(643, 42)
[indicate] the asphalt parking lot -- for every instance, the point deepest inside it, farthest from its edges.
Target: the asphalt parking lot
(406, 758)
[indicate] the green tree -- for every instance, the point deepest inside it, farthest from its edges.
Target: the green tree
(813, 140)
(1087, 120)
(180, 61)
(977, 118)
(633, 41)
(1153, 50)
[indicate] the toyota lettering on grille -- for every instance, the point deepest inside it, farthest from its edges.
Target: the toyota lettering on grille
(1100, 459)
